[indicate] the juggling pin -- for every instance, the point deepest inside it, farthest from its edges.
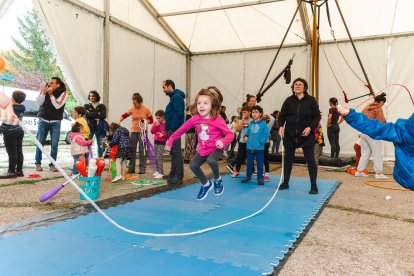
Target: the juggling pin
(92, 167)
(82, 160)
(51, 193)
(81, 167)
(100, 163)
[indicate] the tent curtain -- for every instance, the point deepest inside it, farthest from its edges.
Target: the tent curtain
(4, 6)
(76, 37)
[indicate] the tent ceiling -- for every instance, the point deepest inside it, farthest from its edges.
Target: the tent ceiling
(218, 25)
(264, 23)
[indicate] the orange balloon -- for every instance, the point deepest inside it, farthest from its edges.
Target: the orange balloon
(365, 171)
(2, 63)
(353, 171)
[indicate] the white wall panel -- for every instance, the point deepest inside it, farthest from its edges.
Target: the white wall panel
(225, 71)
(131, 70)
(140, 65)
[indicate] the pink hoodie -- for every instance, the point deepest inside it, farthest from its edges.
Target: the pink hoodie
(79, 140)
(157, 130)
(209, 132)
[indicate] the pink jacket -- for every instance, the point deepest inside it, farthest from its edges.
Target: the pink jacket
(78, 144)
(209, 131)
(157, 130)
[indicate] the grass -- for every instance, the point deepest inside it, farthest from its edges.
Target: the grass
(359, 211)
(29, 181)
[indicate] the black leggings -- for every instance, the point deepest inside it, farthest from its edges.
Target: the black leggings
(333, 136)
(310, 161)
(13, 143)
(211, 159)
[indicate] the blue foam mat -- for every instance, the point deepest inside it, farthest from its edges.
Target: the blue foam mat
(91, 245)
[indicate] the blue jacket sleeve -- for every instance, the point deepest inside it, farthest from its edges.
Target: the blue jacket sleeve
(177, 110)
(265, 134)
(373, 128)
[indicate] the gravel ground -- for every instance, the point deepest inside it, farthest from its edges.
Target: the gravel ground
(358, 232)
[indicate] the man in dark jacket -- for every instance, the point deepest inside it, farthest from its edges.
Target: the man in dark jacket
(174, 118)
(52, 99)
(301, 114)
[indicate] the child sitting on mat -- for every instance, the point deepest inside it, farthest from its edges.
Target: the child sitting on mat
(213, 136)
(120, 138)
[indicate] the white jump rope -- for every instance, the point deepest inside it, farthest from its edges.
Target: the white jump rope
(146, 233)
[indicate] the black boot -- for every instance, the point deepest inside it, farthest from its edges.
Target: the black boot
(8, 175)
(313, 190)
(284, 186)
(19, 174)
(260, 181)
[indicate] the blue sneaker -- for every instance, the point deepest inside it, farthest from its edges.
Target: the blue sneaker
(218, 186)
(204, 190)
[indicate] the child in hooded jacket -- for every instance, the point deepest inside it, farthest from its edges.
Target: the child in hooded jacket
(120, 138)
(401, 133)
(257, 136)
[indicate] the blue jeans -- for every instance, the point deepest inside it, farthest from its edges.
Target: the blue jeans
(75, 159)
(259, 162)
(43, 130)
(98, 141)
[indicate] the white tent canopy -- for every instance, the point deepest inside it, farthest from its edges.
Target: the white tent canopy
(123, 46)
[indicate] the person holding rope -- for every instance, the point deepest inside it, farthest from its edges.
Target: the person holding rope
(139, 113)
(401, 133)
(301, 114)
(213, 136)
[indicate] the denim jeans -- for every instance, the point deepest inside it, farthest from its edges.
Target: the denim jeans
(250, 163)
(43, 130)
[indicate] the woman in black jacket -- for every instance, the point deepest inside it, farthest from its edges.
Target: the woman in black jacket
(298, 117)
(95, 116)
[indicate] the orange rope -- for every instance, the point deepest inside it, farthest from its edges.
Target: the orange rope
(368, 182)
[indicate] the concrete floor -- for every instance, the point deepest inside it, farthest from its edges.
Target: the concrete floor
(358, 232)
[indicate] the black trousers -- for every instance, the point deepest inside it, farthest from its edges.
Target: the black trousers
(13, 142)
(333, 136)
(177, 160)
(310, 161)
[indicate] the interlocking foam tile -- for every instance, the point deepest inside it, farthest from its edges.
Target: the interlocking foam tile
(91, 245)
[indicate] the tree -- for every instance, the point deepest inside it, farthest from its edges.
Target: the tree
(33, 61)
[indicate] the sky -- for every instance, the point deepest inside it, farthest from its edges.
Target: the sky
(9, 25)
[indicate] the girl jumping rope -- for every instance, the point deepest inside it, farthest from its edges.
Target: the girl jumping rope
(213, 136)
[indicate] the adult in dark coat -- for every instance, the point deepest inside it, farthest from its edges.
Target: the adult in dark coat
(95, 116)
(298, 117)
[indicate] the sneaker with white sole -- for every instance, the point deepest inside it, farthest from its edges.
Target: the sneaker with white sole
(117, 178)
(235, 174)
(360, 174)
(218, 186)
(230, 168)
(155, 173)
(204, 190)
(380, 176)
(159, 176)
(266, 177)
